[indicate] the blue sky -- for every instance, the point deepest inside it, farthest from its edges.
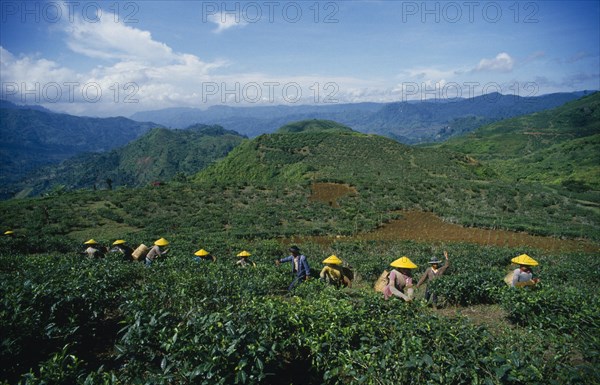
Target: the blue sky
(115, 58)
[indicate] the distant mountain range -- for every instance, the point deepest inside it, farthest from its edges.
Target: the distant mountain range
(33, 137)
(12, 106)
(157, 156)
(407, 122)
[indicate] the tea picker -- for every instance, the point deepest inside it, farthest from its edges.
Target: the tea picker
(300, 268)
(400, 279)
(94, 250)
(156, 251)
(204, 256)
(334, 273)
(120, 246)
(243, 260)
(523, 276)
(433, 272)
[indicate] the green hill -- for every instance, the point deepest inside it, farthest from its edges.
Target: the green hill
(574, 164)
(32, 138)
(266, 187)
(388, 176)
(314, 125)
(333, 155)
(158, 155)
(558, 146)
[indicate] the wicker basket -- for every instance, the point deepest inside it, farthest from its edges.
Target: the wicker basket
(140, 252)
(382, 281)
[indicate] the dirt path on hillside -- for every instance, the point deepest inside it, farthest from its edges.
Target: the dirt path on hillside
(427, 227)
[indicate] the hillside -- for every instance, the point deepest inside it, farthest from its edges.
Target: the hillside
(32, 138)
(109, 320)
(158, 155)
(314, 154)
(558, 146)
(313, 125)
(407, 121)
(383, 175)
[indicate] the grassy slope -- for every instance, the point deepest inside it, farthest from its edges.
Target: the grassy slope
(314, 125)
(390, 176)
(553, 146)
(572, 160)
(32, 138)
(158, 155)
(323, 156)
(262, 189)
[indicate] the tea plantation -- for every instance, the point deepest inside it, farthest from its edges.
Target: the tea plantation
(66, 319)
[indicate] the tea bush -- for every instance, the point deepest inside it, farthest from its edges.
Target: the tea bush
(66, 319)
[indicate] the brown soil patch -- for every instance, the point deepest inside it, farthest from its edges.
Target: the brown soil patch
(330, 192)
(427, 227)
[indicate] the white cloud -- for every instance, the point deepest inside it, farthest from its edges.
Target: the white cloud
(429, 74)
(31, 69)
(225, 21)
(501, 63)
(109, 40)
(133, 66)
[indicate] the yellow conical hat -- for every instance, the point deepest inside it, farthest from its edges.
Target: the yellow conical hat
(90, 242)
(202, 253)
(244, 254)
(524, 259)
(8, 232)
(333, 259)
(161, 242)
(403, 263)
(119, 242)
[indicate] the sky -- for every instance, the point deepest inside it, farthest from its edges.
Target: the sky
(110, 58)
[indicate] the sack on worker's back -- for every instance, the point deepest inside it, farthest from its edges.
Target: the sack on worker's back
(382, 281)
(140, 253)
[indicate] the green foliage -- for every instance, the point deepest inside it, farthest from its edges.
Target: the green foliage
(553, 147)
(159, 155)
(50, 301)
(32, 139)
(458, 289)
(573, 164)
(179, 321)
(313, 125)
(324, 156)
(67, 319)
(390, 176)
